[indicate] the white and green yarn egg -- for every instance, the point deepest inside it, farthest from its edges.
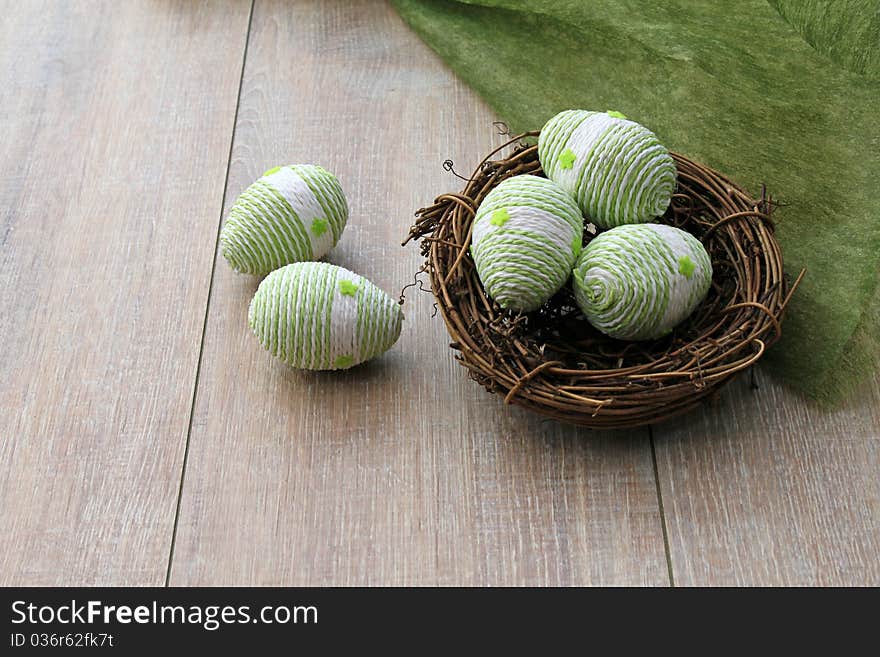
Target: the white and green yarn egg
(638, 282)
(317, 316)
(293, 213)
(617, 170)
(527, 234)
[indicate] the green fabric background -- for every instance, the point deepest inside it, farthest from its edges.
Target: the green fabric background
(785, 92)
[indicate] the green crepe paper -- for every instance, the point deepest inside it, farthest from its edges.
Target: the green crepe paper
(737, 86)
(848, 31)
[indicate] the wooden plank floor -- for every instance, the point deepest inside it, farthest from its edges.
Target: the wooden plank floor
(765, 490)
(147, 438)
(116, 121)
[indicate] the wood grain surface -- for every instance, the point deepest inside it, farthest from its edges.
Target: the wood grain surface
(116, 119)
(402, 471)
(762, 490)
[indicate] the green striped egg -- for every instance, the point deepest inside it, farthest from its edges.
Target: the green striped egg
(617, 170)
(526, 237)
(638, 282)
(293, 213)
(317, 316)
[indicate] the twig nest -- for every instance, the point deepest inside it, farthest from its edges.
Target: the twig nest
(617, 170)
(317, 316)
(638, 282)
(553, 364)
(293, 213)
(527, 235)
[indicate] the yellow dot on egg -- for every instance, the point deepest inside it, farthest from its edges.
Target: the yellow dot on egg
(348, 288)
(499, 217)
(686, 266)
(567, 158)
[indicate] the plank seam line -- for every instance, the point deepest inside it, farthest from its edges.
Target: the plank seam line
(662, 510)
(192, 409)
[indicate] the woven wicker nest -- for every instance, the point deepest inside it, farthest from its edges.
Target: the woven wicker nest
(553, 362)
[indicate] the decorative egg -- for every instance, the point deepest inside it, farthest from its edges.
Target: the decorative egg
(293, 213)
(526, 237)
(617, 170)
(638, 282)
(317, 316)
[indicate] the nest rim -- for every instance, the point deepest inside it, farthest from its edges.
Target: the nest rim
(575, 374)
